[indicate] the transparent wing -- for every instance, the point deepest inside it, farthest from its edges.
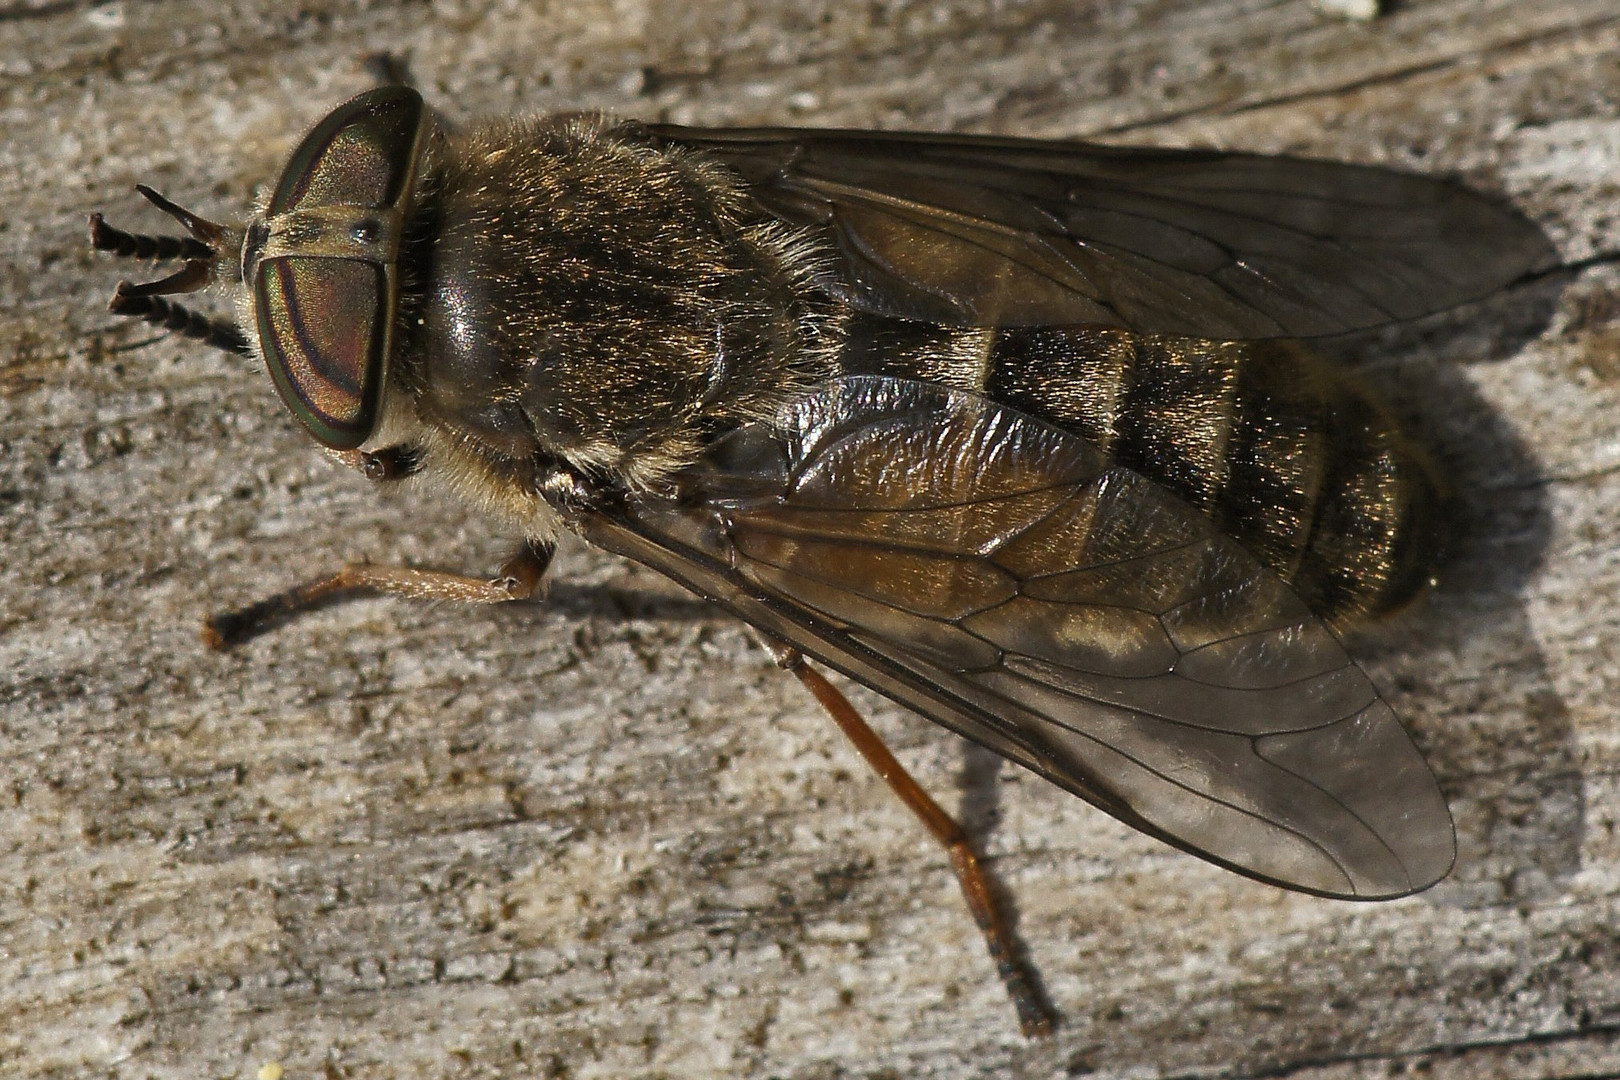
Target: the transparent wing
(1004, 578)
(992, 231)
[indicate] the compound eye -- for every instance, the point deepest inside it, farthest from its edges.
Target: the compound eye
(321, 325)
(324, 262)
(363, 154)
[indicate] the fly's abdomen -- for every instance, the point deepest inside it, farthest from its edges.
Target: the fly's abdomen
(1287, 456)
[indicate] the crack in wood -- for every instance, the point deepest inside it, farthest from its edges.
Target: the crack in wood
(1405, 1061)
(1351, 86)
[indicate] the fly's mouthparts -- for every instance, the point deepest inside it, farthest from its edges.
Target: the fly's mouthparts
(203, 245)
(208, 232)
(189, 278)
(140, 302)
(201, 252)
(104, 237)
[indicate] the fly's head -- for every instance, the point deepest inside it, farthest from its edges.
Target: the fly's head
(321, 262)
(319, 270)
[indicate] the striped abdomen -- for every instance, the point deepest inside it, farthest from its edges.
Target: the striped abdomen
(1287, 456)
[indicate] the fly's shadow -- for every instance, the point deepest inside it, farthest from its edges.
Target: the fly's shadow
(1463, 666)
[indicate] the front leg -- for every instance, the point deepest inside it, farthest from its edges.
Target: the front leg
(519, 578)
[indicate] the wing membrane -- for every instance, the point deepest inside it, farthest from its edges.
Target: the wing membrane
(992, 231)
(1006, 579)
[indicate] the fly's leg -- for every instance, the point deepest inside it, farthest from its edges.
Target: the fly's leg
(1035, 1016)
(519, 578)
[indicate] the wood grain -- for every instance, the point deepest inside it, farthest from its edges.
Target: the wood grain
(601, 836)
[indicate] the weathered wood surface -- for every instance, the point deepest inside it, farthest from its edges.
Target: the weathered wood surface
(601, 837)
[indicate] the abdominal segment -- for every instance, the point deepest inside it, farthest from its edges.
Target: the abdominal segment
(1288, 456)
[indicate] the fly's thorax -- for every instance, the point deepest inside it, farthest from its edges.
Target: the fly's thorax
(507, 490)
(586, 299)
(1288, 455)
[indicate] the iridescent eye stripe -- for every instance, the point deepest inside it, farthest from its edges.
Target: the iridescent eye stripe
(330, 376)
(355, 152)
(345, 379)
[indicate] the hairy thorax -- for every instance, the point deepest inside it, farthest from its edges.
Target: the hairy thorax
(584, 301)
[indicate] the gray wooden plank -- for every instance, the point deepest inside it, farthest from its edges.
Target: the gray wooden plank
(602, 836)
